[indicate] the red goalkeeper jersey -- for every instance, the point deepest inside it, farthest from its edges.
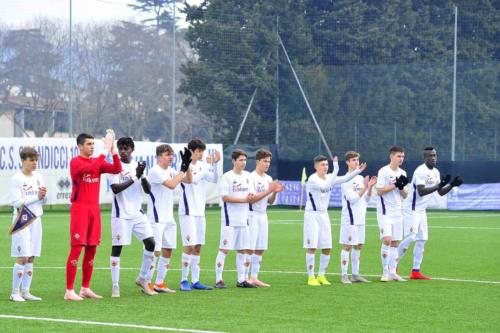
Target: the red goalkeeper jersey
(86, 177)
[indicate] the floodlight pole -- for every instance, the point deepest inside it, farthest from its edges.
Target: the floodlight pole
(172, 124)
(454, 104)
(277, 140)
(70, 106)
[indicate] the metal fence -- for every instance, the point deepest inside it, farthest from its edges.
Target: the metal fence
(256, 72)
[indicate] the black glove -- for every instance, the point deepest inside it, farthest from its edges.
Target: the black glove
(401, 182)
(457, 181)
(444, 180)
(139, 171)
(185, 159)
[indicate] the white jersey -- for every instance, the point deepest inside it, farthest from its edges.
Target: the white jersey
(354, 206)
(390, 202)
(422, 176)
(127, 203)
(260, 185)
(161, 198)
(318, 189)
(238, 186)
(194, 197)
(24, 190)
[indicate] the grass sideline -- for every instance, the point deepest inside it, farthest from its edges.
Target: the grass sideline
(462, 245)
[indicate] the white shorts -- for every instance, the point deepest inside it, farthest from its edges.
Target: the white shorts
(234, 238)
(390, 226)
(352, 234)
(165, 235)
(122, 230)
(258, 225)
(28, 242)
(192, 230)
(317, 230)
(416, 222)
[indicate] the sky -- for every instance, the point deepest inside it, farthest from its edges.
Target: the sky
(16, 12)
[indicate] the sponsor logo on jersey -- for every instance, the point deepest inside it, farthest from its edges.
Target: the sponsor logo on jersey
(87, 178)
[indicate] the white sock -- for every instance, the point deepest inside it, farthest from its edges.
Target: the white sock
(151, 269)
(393, 260)
(186, 261)
(17, 277)
(256, 261)
(355, 257)
(27, 276)
(344, 261)
(195, 268)
(219, 266)
(324, 260)
(310, 264)
(148, 264)
(240, 266)
(418, 254)
(163, 266)
(246, 263)
(114, 265)
(384, 255)
(405, 245)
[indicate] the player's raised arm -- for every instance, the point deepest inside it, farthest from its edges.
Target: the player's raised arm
(350, 175)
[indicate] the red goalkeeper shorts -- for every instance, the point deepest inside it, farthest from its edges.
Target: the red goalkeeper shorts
(85, 225)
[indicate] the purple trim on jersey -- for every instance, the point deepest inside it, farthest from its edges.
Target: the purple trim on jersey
(117, 208)
(351, 217)
(312, 201)
(141, 210)
(186, 206)
(75, 184)
(155, 212)
(226, 214)
(414, 200)
(250, 207)
(383, 205)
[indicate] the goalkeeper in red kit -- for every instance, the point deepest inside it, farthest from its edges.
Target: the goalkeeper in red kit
(85, 215)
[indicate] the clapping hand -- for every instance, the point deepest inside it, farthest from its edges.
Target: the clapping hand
(444, 181)
(185, 159)
(139, 171)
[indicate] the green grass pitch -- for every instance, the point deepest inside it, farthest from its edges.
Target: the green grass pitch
(463, 250)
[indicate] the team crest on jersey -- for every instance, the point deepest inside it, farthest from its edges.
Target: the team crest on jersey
(188, 238)
(356, 187)
(77, 236)
(260, 187)
(429, 180)
(19, 249)
(224, 242)
(118, 237)
(27, 187)
(308, 241)
(349, 238)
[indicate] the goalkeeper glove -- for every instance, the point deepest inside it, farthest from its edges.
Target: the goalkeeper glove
(444, 180)
(457, 181)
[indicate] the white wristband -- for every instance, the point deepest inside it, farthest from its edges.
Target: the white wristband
(143, 177)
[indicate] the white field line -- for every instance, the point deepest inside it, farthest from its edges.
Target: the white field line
(99, 323)
(275, 272)
(300, 222)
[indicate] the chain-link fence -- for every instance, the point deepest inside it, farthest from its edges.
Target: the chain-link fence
(373, 74)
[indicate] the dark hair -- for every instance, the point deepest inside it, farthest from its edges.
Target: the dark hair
(164, 148)
(125, 142)
(262, 153)
(351, 154)
(429, 148)
(320, 158)
(396, 149)
(28, 152)
(196, 144)
(80, 139)
(237, 153)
